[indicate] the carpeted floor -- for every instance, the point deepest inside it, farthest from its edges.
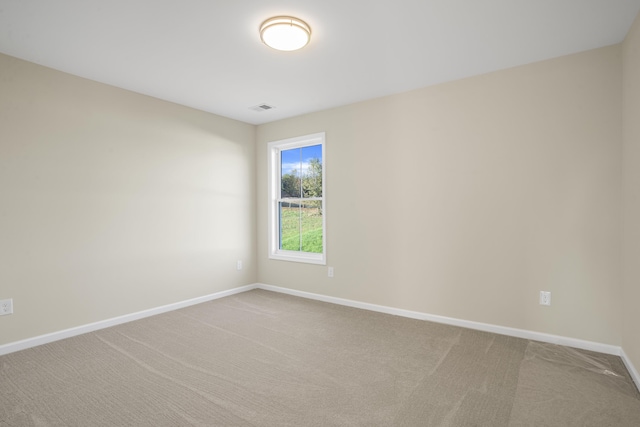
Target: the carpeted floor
(267, 359)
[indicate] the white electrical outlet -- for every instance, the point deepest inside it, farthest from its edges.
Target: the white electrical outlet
(6, 307)
(330, 272)
(545, 298)
(239, 265)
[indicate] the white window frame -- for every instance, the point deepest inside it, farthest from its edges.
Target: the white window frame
(274, 170)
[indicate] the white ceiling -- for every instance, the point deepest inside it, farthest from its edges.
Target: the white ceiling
(207, 54)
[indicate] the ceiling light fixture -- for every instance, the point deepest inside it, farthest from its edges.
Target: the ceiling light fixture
(285, 33)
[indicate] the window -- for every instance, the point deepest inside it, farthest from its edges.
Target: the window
(296, 199)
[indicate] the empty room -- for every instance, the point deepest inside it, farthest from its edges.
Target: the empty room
(320, 213)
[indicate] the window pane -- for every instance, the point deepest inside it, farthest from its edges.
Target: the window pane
(311, 225)
(290, 173)
(289, 226)
(301, 226)
(312, 171)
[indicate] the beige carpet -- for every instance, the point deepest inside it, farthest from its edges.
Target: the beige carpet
(267, 359)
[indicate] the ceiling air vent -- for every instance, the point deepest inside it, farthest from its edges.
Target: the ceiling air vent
(262, 107)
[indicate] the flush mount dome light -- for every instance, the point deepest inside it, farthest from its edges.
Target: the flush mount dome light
(285, 33)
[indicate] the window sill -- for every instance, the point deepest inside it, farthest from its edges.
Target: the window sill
(305, 257)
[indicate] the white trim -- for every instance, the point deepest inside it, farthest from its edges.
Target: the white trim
(295, 256)
(502, 330)
(274, 148)
(632, 370)
(79, 330)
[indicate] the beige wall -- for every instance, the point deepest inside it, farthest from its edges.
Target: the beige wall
(467, 198)
(631, 129)
(463, 199)
(113, 202)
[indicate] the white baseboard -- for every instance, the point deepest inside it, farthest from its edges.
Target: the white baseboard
(67, 333)
(632, 369)
(502, 330)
